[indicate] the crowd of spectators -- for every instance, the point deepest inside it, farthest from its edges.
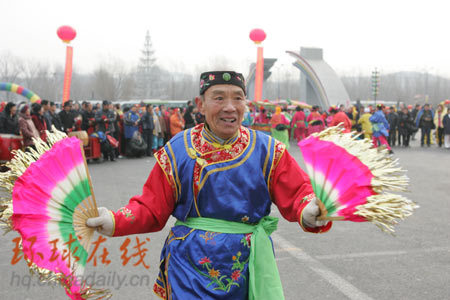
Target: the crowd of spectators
(141, 130)
(133, 131)
(389, 126)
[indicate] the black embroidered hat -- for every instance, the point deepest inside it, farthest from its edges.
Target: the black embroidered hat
(208, 79)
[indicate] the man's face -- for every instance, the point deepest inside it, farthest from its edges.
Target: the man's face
(134, 109)
(223, 107)
(13, 110)
(67, 108)
(426, 107)
(52, 108)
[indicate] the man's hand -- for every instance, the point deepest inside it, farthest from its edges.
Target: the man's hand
(310, 214)
(104, 223)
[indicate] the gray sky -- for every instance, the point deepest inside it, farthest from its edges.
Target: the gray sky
(356, 35)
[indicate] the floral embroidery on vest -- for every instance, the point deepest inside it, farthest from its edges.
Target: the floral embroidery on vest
(209, 236)
(216, 277)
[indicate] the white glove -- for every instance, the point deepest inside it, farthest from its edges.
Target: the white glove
(104, 223)
(310, 214)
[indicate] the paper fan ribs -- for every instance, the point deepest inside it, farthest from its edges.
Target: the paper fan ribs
(352, 179)
(51, 199)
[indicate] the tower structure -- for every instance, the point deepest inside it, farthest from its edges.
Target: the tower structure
(319, 83)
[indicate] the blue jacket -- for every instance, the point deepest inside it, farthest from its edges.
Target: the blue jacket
(130, 119)
(419, 116)
(380, 125)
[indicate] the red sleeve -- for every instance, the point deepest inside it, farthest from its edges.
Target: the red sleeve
(150, 211)
(291, 196)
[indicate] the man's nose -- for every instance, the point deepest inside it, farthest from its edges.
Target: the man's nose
(228, 105)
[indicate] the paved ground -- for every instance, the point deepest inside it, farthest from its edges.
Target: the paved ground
(352, 261)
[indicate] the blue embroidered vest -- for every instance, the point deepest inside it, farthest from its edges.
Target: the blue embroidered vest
(234, 190)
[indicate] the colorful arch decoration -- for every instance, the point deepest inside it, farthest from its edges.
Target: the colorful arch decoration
(15, 88)
(311, 76)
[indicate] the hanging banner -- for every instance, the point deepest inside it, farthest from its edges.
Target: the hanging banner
(67, 74)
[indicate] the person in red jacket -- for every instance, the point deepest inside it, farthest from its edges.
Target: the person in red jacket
(340, 117)
(222, 174)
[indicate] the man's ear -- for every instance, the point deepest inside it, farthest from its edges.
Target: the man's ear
(199, 103)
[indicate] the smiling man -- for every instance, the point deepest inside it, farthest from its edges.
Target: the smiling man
(219, 180)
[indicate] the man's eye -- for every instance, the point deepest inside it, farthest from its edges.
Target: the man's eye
(218, 98)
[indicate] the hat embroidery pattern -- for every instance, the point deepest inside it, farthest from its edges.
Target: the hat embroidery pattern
(208, 79)
(226, 76)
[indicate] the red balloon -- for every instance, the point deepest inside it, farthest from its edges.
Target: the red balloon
(447, 101)
(257, 35)
(66, 33)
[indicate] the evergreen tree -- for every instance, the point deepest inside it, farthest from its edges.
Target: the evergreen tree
(146, 76)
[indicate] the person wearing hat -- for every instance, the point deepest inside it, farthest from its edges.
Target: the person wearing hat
(218, 179)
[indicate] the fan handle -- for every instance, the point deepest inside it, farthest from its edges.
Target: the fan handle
(324, 212)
